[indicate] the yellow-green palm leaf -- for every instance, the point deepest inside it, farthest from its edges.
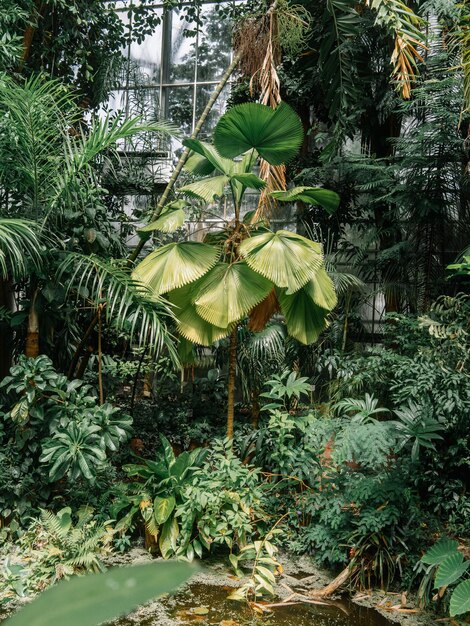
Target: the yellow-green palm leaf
(171, 218)
(175, 265)
(287, 259)
(322, 290)
(305, 320)
(229, 291)
(190, 325)
(207, 188)
(326, 198)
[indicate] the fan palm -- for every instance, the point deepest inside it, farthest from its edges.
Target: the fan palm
(248, 270)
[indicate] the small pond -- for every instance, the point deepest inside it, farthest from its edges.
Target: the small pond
(207, 605)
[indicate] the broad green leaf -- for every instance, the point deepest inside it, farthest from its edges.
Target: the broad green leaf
(460, 599)
(209, 152)
(163, 508)
(168, 537)
(440, 551)
(206, 189)
(250, 181)
(190, 324)
(287, 259)
(304, 319)
(175, 265)
(329, 200)
(199, 165)
(276, 134)
(97, 598)
(450, 570)
(322, 290)
(228, 292)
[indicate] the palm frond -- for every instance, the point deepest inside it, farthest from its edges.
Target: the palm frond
(128, 305)
(19, 246)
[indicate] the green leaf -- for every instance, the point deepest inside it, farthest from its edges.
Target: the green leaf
(228, 292)
(322, 290)
(190, 324)
(460, 599)
(250, 181)
(450, 570)
(168, 537)
(163, 508)
(304, 319)
(329, 200)
(276, 134)
(209, 152)
(97, 598)
(440, 551)
(171, 218)
(287, 259)
(207, 188)
(175, 265)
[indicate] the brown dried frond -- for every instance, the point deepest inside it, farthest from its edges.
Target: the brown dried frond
(275, 177)
(404, 59)
(251, 39)
(263, 312)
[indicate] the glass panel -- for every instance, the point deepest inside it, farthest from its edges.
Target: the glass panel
(203, 94)
(146, 58)
(182, 51)
(214, 45)
(180, 108)
(117, 102)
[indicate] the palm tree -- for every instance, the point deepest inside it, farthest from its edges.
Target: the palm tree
(48, 174)
(245, 269)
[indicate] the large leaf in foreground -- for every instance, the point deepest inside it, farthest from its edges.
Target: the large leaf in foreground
(171, 218)
(287, 259)
(304, 319)
(229, 291)
(175, 265)
(460, 600)
(97, 598)
(326, 198)
(206, 189)
(276, 134)
(322, 290)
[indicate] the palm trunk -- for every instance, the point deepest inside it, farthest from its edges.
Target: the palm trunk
(232, 370)
(32, 336)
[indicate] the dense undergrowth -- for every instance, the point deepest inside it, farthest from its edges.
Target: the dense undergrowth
(371, 478)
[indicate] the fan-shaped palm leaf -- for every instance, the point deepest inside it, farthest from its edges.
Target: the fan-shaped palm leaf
(228, 292)
(190, 325)
(171, 218)
(305, 320)
(276, 134)
(207, 189)
(326, 198)
(209, 152)
(322, 290)
(175, 265)
(287, 259)
(18, 245)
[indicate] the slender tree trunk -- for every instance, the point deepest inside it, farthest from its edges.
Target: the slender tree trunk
(81, 345)
(100, 358)
(232, 371)
(32, 336)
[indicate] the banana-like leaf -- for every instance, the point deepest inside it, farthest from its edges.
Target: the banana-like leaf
(287, 259)
(163, 508)
(228, 292)
(326, 198)
(190, 325)
(322, 290)
(171, 218)
(175, 265)
(206, 188)
(276, 134)
(209, 152)
(305, 320)
(98, 598)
